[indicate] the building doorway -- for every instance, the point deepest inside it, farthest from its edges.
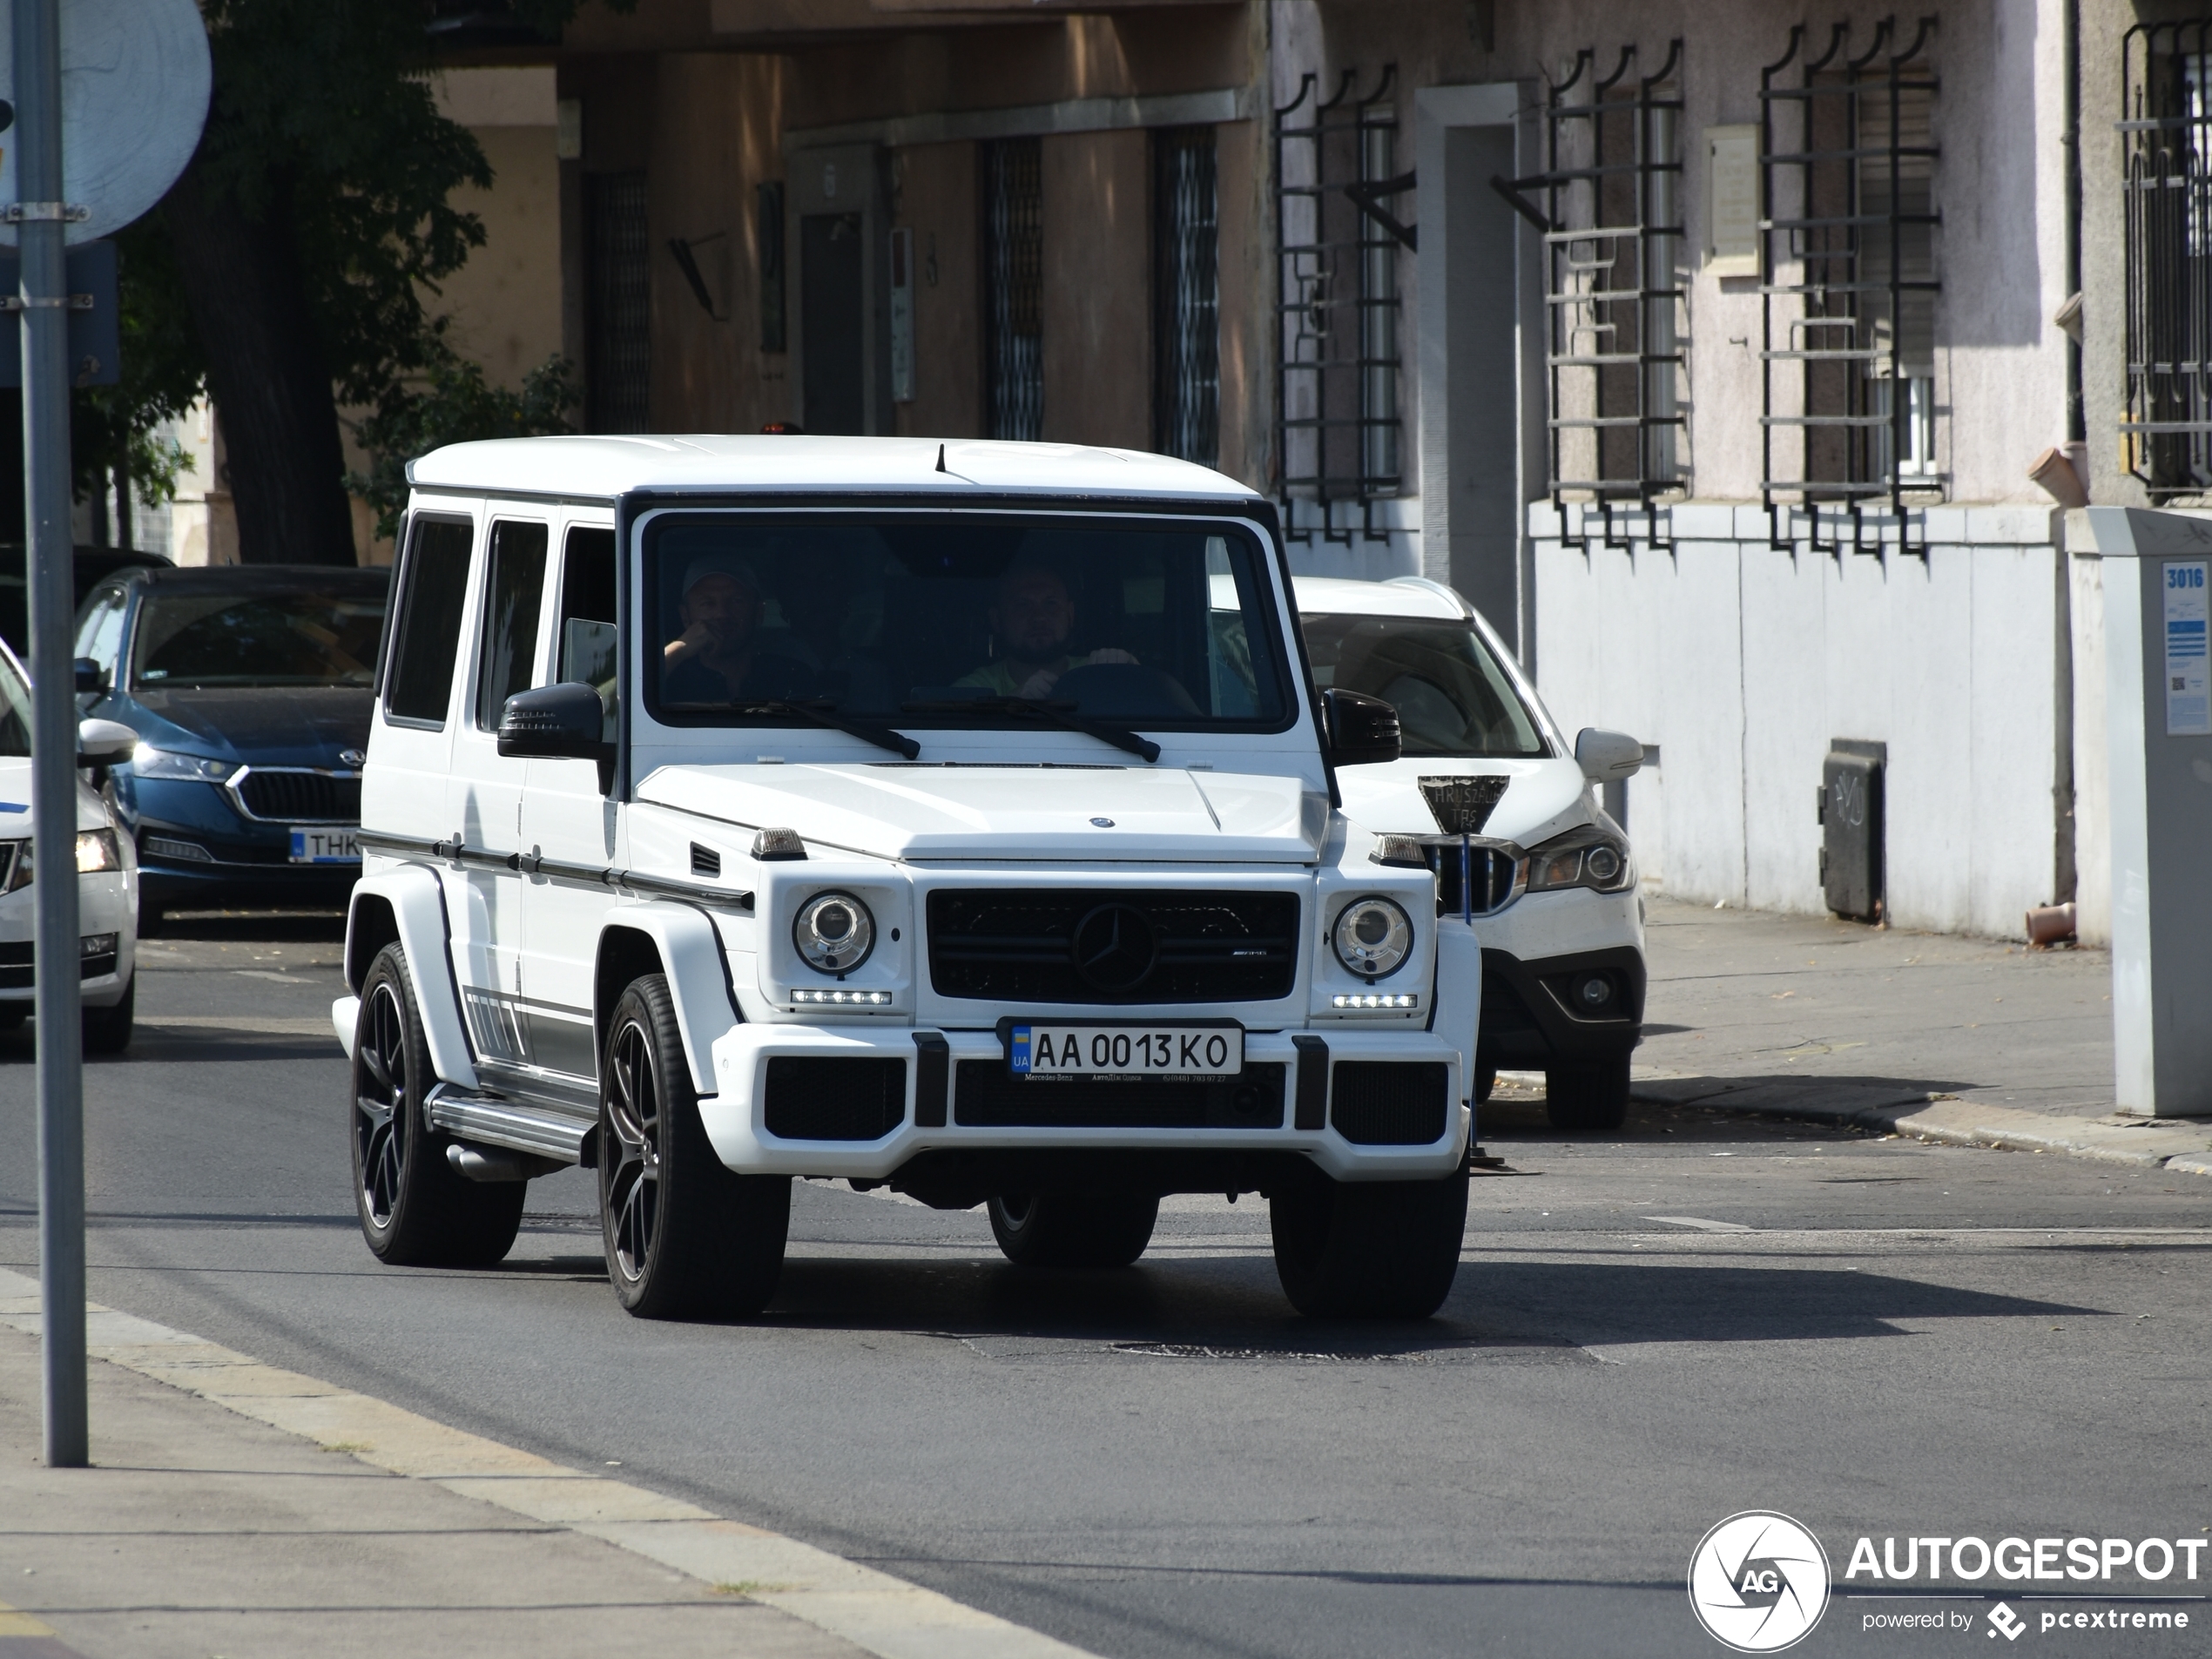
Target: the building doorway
(833, 323)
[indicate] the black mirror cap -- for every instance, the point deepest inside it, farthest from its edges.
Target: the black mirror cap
(89, 676)
(564, 720)
(1363, 730)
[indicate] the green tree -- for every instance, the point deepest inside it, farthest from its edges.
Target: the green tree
(286, 269)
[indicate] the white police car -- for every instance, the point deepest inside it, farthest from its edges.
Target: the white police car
(959, 818)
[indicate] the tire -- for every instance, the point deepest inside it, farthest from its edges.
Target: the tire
(1581, 1099)
(1485, 1082)
(1368, 1250)
(686, 1235)
(108, 1030)
(1074, 1229)
(150, 921)
(416, 1211)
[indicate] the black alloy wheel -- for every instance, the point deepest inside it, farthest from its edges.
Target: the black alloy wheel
(1074, 1228)
(415, 1208)
(1367, 1249)
(685, 1235)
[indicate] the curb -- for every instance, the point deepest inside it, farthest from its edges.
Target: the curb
(1945, 1119)
(887, 1616)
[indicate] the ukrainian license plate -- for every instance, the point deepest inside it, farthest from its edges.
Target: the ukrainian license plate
(327, 844)
(1126, 1050)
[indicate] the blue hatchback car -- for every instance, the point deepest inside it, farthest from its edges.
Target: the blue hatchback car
(250, 690)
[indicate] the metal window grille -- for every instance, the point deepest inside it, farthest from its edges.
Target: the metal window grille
(618, 393)
(2166, 137)
(1337, 428)
(1610, 221)
(1014, 286)
(1186, 302)
(1847, 229)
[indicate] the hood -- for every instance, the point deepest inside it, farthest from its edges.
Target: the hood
(16, 815)
(269, 724)
(923, 812)
(1544, 797)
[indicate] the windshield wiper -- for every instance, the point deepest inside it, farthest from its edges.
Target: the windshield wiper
(1056, 713)
(822, 712)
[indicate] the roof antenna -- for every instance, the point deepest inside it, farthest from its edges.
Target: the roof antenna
(940, 457)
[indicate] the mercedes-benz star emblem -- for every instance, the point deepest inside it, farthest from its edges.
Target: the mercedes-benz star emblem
(1115, 949)
(1103, 823)
(353, 757)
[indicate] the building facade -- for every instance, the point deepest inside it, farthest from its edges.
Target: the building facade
(1708, 349)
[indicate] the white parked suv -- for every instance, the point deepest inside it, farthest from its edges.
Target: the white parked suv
(106, 875)
(961, 817)
(1553, 892)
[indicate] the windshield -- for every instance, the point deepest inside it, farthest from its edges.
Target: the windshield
(1452, 694)
(15, 710)
(945, 621)
(310, 636)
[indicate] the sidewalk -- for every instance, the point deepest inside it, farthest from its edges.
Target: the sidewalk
(1971, 1040)
(237, 1510)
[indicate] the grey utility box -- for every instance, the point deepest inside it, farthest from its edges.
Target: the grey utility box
(2157, 570)
(1851, 827)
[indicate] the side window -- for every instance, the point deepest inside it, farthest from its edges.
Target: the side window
(514, 597)
(434, 590)
(100, 633)
(587, 627)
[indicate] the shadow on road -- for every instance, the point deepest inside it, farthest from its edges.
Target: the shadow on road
(285, 927)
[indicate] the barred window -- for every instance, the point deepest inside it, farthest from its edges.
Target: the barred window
(2166, 136)
(1014, 286)
(1186, 302)
(619, 319)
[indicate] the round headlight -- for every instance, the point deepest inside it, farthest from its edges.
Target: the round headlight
(1373, 937)
(1604, 865)
(833, 932)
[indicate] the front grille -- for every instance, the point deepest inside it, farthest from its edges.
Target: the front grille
(302, 796)
(1493, 869)
(19, 968)
(813, 1098)
(1385, 1103)
(987, 1096)
(1020, 945)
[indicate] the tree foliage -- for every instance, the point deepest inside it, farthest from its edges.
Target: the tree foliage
(453, 404)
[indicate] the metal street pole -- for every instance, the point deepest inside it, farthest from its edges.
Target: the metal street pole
(53, 743)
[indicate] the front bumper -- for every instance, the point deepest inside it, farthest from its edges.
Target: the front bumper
(105, 904)
(736, 1116)
(1529, 1021)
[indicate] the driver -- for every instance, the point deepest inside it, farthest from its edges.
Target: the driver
(714, 659)
(1032, 621)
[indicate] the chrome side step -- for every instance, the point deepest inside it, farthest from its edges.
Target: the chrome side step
(506, 1123)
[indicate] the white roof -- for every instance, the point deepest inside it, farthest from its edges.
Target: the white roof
(1336, 596)
(606, 467)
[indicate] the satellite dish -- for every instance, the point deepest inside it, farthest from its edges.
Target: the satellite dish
(135, 79)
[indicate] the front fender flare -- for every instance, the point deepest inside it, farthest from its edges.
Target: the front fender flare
(690, 949)
(416, 900)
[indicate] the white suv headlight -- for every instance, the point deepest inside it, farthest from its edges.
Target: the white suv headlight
(1584, 858)
(1372, 936)
(834, 933)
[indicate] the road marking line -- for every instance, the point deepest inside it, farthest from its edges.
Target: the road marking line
(887, 1616)
(1703, 1225)
(277, 1025)
(13, 1623)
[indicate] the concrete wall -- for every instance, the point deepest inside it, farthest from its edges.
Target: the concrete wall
(505, 302)
(1743, 663)
(1098, 288)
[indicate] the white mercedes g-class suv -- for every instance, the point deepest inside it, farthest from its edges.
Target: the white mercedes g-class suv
(959, 818)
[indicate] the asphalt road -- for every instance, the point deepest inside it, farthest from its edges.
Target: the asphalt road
(1910, 1339)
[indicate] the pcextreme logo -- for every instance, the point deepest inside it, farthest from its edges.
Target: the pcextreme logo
(1758, 1582)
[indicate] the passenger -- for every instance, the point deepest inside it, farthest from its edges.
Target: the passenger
(1032, 622)
(714, 660)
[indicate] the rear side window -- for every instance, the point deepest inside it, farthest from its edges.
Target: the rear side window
(514, 596)
(434, 592)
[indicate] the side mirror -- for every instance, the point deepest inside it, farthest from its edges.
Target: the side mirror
(104, 742)
(91, 676)
(557, 722)
(1608, 756)
(1362, 730)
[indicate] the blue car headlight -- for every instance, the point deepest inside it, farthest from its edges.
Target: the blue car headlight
(149, 762)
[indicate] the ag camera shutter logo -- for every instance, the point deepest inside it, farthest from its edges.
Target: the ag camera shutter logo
(1758, 1583)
